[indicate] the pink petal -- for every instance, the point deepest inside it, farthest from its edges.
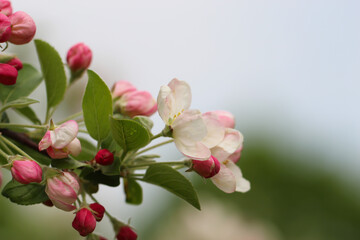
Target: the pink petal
(232, 141)
(45, 141)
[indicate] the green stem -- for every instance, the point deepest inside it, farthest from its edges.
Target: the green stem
(12, 145)
(158, 163)
(4, 155)
(156, 136)
(12, 125)
(155, 146)
(7, 149)
(71, 117)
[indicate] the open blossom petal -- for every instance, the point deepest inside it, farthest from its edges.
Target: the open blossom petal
(225, 180)
(226, 118)
(45, 141)
(64, 134)
(215, 130)
(74, 147)
(173, 99)
(57, 153)
(232, 141)
(188, 130)
(242, 185)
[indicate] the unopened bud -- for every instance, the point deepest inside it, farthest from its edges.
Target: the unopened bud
(137, 103)
(99, 211)
(5, 7)
(79, 57)
(48, 203)
(104, 157)
(23, 28)
(84, 222)
(126, 233)
(16, 63)
(207, 168)
(8, 74)
(5, 28)
(26, 171)
(122, 87)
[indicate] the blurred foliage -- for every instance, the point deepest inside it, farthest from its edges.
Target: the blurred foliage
(300, 200)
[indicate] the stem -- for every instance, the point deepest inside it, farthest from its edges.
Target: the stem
(157, 163)
(10, 125)
(156, 136)
(4, 155)
(155, 146)
(11, 144)
(7, 149)
(71, 117)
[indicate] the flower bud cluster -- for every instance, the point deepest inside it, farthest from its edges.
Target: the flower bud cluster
(131, 102)
(86, 218)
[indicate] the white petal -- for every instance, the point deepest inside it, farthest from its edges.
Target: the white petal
(74, 147)
(215, 130)
(189, 126)
(182, 94)
(232, 141)
(225, 180)
(64, 134)
(242, 185)
(164, 101)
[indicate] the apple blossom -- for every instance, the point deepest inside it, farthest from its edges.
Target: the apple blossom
(207, 168)
(5, 28)
(62, 190)
(23, 28)
(136, 103)
(104, 157)
(84, 222)
(26, 171)
(226, 118)
(126, 233)
(8, 74)
(79, 57)
(61, 141)
(5, 7)
(122, 87)
(99, 211)
(229, 179)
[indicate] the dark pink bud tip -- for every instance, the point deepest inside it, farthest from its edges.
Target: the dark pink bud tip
(8, 74)
(104, 157)
(84, 222)
(99, 211)
(79, 57)
(207, 168)
(16, 63)
(126, 233)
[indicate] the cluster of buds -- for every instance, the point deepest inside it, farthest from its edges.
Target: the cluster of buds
(17, 28)
(86, 218)
(131, 102)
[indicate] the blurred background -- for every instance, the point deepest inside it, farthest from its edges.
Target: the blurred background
(288, 71)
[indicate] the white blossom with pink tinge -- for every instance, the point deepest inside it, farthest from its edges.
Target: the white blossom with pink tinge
(61, 141)
(229, 179)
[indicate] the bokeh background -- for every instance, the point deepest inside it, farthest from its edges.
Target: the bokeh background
(288, 71)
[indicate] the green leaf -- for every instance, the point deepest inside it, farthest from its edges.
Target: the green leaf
(129, 134)
(28, 80)
(28, 113)
(113, 169)
(98, 177)
(53, 71)
(67, 163)
(88, 151)
(110, 144)
(18, 103)
(145, 121)
(25, 194)
(170, 179)
(146, 158)
(133, 191)
(97, 107)
(35, 154)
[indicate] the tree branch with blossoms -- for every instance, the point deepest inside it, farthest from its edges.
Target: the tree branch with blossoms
(50, 164)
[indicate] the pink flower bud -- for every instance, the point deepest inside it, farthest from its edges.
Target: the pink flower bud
(5, 7)
(1, 177)
(48, 203)
(23, 28)
(8, 74)
(99, 211)
(137, 103)
(104, 157)
(5, 28)
(26, 171)
(207, 168)
(102, 238)
(79, 57)
(236, 155)
(226, 118)
(63, 190)
(84, 222)
(16, 63)
(122, 87)
(126, 233)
